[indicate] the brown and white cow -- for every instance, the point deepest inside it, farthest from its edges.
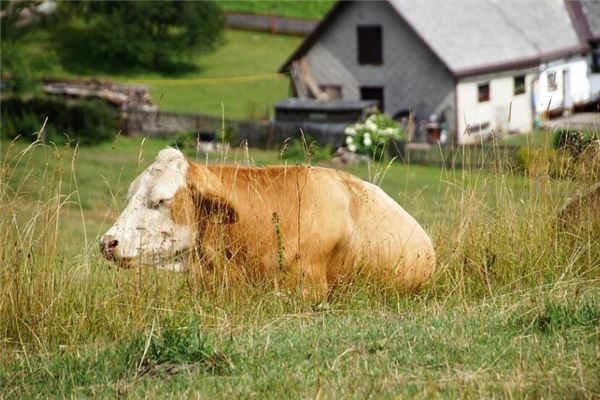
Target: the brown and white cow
(316, 224)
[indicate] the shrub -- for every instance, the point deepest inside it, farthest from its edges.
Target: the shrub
(83, 122)
(373, 136)
(560, 163)
(573, 140)
(308, 150)
(185, 139)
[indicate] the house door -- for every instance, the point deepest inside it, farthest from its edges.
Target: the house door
(566, 86)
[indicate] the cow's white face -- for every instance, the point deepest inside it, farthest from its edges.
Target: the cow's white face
(145, 233)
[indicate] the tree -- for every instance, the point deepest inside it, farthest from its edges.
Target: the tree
(19, 68)
(150, 33)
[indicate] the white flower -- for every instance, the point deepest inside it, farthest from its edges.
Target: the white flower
(367, 141)
(349, 140)
(350, 131)
(370, 125)
(352, 147)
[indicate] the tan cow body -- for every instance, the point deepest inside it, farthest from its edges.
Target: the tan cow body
(313, 225)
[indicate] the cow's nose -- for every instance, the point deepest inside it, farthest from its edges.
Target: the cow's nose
(108, 245)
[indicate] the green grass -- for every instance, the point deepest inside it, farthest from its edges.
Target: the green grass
(241, 74)
(298, 9)
(514, 310)
(541, 138)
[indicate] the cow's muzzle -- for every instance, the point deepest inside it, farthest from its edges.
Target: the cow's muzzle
(108, 247)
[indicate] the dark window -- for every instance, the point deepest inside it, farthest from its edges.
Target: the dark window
(519, 84)
(370, 49)
(333, 92)
(552, 85)
(483, 92)
(373, 93)
(596, 57)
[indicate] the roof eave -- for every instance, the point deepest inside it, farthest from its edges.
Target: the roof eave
(313, 36)
(522, 62)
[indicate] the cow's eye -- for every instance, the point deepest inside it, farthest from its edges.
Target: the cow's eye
(158, 204)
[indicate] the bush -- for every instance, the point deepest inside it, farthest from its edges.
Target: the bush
(373, 136)
(184, 140)
(561, 164)
(299, 151)
(573, 141)
(83, 122)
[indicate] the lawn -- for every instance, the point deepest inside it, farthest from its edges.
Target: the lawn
(298, 9)
(240, 76)
(514, 310)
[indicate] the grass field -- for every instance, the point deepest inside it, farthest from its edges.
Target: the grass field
(514, 310)
(297, 9)
(241, 74)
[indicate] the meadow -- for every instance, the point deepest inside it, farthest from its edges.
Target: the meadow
(288, 8)
(513, 311)
(241, 73)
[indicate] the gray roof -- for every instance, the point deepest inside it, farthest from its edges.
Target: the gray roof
(468, 35)
(331, 105)
(476, 36)
(591, 11)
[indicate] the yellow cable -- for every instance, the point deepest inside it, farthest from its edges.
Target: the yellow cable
(210, 81)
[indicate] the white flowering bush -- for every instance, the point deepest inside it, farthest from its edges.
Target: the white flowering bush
(373, 136)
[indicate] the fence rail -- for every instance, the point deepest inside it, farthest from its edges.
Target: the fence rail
(270, 23)
(259, 134)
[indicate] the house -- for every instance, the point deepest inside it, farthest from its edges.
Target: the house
(587, 16)
(475, 67)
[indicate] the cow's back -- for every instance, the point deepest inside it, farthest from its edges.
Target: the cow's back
(300, 217)
(385, 238)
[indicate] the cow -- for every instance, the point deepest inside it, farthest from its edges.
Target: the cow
(311, 226)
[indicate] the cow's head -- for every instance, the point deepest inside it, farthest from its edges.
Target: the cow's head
(151, 229)
(170, 205)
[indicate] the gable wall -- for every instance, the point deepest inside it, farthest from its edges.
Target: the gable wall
(413, 78)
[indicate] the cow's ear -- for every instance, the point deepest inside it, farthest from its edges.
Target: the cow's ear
(216, 210)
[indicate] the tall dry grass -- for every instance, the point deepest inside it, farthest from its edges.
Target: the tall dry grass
(496, 237)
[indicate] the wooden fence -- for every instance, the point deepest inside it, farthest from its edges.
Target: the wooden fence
(272, 135)
(258, 134)
(270, 23)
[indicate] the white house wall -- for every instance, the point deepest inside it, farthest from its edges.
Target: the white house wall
(578, 86)
(504, 111)
(594, 85)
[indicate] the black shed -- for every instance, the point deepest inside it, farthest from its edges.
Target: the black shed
(317, 111)
(323, 121)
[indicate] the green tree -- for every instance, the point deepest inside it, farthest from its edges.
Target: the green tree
(149, 33)
(18, 67)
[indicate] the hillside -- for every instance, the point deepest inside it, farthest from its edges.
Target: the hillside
(297, 9)
(241, 74)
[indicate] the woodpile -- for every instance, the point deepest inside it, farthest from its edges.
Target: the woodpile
(123, 96)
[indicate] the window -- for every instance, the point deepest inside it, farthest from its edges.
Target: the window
(483, 92)
(333, 92)
(519, 84)
(370, 49)
(596, 57)
(552, 85)
(373, 93)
